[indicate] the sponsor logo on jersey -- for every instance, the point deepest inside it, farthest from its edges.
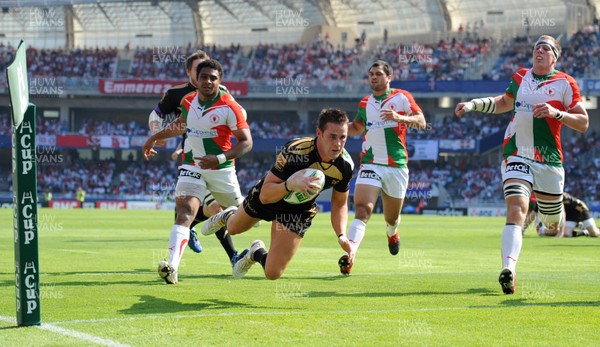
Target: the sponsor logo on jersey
(204, 134)
(188, 173)
(369, 174)
(520, 167)
(523, 106)
(382, 124)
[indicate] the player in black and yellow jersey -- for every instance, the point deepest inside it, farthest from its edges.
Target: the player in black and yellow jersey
(576, 211)
(267, 199)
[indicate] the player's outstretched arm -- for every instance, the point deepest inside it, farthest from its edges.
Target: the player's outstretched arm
(174, 129)
(415, 120)
(155, 125)
(339, 219)
(355, 128)
(494, 104)
(177, 151)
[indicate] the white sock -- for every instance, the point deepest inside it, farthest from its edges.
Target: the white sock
(177, 242)
(356, 233)
(392, 229)
(512, 240)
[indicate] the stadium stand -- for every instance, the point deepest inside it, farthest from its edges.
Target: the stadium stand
(324, 46)
(579, 58)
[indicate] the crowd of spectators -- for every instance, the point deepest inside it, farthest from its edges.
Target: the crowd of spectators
(63, 174)
(446, 60)
(579, 57)
(86, 62)
(43, 126)
(276, 129)
(166, 62)
(318, 61)
(91, 127)
(475, 126)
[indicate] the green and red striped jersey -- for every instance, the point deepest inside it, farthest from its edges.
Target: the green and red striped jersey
(538, 139)
(384, 142)
(209, 126)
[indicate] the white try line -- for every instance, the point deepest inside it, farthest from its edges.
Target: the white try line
(68, 332)
(73, 250)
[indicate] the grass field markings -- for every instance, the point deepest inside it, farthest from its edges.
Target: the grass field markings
(71, 250)
(68, 332)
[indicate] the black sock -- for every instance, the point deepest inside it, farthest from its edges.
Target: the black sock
(200, 216)
(226, 241)
(260, 255)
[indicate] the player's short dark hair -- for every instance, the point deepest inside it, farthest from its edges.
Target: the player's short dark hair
(387, 68)
(211, 63)
(331, 115)
(199, 54)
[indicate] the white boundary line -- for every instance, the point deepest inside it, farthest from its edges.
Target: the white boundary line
(68, 332)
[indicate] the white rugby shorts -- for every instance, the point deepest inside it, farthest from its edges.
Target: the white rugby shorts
(544, 178)
(392, 180)
(223, 184)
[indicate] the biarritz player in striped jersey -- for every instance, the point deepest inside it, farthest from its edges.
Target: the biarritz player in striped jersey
(209, 118)
(542, 100)
(166, 111)
(383, 117)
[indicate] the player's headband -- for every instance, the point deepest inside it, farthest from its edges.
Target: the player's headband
(549, 44)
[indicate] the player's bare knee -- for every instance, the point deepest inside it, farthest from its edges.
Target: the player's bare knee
(516, 194)
(363, 211)
(212, 209)
(185, 214)
(233, 229)
(272, 274)
(516, 214)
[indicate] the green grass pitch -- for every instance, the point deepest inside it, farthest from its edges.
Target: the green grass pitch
(99, 287)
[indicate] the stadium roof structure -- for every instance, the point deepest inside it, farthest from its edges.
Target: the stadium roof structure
(79, 23)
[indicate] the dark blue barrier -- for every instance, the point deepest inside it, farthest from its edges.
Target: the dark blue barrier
(491, 142)
(465, 86)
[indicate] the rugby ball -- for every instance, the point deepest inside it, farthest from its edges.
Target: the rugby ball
(296, 198)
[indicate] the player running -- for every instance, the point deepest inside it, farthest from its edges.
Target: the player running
(542, 100)
(167, 110)
(208, 118)
(383, 117)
